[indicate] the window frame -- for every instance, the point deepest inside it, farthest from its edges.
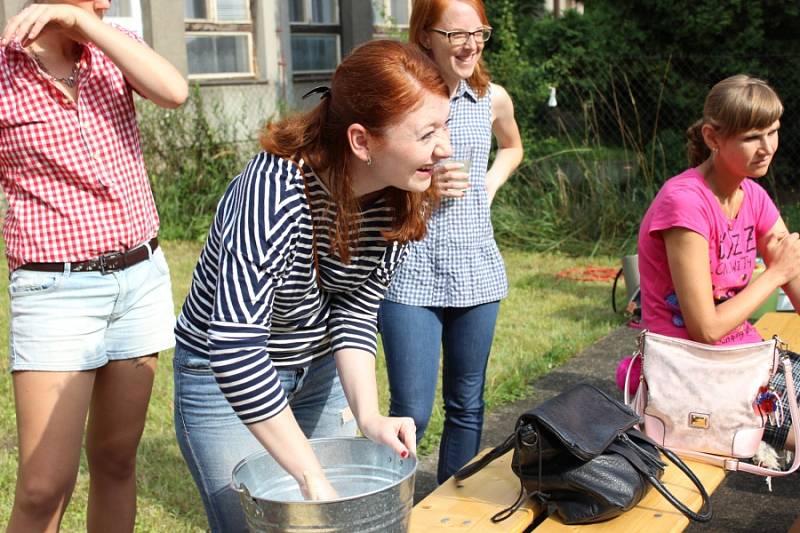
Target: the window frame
(211, 9)
(211, 27)
(307, 12)
(133, 23)
(384, 21)
(218, 75)
(309, 28)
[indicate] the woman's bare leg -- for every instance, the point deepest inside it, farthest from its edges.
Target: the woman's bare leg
(116, 421)
(51, 413)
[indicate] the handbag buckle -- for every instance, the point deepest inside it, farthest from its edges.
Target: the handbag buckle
(699, 420)
(528, 436)
(780, 344)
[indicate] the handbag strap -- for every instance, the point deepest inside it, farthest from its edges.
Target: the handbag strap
(496, 452)
(636, 456)
(628, 371)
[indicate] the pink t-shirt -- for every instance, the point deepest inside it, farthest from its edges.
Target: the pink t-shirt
(685, 201)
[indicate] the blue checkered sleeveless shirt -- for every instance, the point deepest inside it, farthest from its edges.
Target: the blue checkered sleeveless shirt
(458, 263)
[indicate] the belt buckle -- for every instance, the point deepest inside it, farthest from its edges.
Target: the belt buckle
(107, 262)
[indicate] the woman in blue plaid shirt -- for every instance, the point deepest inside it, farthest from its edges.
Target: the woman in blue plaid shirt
(447, 293)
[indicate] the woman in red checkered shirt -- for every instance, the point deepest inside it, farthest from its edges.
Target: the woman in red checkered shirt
(90, 296)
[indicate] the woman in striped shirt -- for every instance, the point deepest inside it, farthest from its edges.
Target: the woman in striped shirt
(286, 291)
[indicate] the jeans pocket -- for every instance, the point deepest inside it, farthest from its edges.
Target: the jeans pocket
(292, 379)
(32, 282)
(188, 362)
(160, 261)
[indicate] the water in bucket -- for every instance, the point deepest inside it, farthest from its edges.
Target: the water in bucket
(375, 486)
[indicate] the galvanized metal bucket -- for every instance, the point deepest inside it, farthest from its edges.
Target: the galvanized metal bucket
(375, 487)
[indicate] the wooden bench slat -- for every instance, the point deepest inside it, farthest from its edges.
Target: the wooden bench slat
(785, 325)
(470, 506)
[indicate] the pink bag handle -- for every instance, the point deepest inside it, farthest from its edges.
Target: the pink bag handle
(731, 463)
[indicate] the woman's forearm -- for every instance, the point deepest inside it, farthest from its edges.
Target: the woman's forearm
(357, 374)
(286, 443)
(150, 74)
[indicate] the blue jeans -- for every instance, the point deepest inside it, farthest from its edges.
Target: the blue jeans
(213, 440)
(411, 338)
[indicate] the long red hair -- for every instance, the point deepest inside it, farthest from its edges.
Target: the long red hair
(426, 13)
(375, 86)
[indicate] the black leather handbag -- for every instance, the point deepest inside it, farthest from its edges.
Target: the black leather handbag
(580, 456)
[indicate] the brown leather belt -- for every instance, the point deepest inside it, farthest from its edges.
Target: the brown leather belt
(105, 263)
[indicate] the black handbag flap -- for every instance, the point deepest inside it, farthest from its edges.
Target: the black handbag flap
(584, 418)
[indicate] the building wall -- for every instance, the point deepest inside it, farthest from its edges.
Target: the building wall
(9, 8)
(273, 86)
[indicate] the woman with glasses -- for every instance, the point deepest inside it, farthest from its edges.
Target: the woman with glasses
(448, 290)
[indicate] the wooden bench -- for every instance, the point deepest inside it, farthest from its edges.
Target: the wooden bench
(470, 506)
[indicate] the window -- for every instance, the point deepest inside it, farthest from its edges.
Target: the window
(391, 12)
(219, 38)
(126, 13)
(218, 53)
(316, 34)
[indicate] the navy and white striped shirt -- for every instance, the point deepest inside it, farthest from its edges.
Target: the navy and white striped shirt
(255, 301)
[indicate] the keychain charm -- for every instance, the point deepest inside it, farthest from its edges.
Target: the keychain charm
(769, 404)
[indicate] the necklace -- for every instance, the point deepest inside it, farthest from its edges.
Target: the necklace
(69, 81)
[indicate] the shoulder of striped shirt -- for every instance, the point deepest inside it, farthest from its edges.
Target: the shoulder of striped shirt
(271, 167)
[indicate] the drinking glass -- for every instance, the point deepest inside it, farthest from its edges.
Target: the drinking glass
(462, 154)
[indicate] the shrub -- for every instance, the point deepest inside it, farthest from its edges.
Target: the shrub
(190, 161)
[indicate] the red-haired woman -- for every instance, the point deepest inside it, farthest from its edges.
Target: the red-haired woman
(449, 289)
(287, 288)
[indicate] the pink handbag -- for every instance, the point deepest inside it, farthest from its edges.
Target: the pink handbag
(702, 401)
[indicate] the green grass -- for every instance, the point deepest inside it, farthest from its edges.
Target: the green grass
(544, 320)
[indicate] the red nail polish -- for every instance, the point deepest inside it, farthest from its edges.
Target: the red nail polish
(403, 454)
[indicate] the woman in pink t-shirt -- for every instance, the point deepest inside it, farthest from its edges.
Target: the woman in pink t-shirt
(699, 239)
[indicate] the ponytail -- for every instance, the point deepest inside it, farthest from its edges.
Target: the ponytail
(696, 148)
(734, 105)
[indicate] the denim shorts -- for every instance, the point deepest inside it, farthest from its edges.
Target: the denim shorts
(73, 321)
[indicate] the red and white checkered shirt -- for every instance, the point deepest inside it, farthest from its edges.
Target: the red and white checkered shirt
(72, 172)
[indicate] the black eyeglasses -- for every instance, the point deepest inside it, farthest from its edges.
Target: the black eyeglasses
(459, 37)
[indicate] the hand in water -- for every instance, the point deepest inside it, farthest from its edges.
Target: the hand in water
(317, 487)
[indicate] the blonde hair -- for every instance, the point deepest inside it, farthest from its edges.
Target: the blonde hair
(734, 105)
